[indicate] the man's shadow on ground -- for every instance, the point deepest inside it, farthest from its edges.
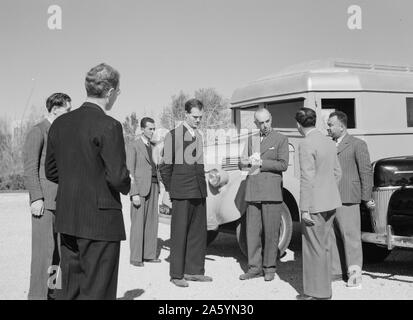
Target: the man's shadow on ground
(225, 245)
(132, 294)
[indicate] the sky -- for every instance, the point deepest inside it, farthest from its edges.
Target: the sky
(161, 47)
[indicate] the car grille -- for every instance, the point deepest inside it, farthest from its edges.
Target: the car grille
(230, 163)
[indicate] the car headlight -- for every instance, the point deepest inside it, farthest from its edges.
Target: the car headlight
(217, 178)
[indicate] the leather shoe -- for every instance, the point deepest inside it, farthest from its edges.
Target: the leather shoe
(251, 275)
(269, 276)
(137, 264)
(306, 297)
(153, 260)
(180, 283)
(197, 277)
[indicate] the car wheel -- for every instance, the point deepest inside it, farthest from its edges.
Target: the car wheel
(286, 232)
(373, 253)
(211, 236)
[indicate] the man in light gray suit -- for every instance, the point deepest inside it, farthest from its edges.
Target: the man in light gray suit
(355, 187)
(267, 157)
(319, 198)
(144, 195)
(42, 193)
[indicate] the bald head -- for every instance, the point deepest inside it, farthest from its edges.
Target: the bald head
(262, 113)
(263, 120)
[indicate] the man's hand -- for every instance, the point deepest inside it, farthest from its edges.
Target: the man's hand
(306, 217)
(136, 200)
(255, 159)
(371, 204)
(37, 208)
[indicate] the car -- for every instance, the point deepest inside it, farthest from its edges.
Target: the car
(378, 100)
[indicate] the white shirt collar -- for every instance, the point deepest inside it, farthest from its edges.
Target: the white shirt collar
(191, 130)
(145, 140)
(340, 139)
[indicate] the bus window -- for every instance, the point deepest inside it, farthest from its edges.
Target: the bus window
(246, 118)
(283, 112)
(409, 110)
(344, 105)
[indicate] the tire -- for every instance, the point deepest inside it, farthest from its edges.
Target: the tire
(286, 232)
(211, 236)
(373, 253)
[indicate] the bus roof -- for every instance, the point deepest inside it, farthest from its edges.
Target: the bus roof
(326, 75)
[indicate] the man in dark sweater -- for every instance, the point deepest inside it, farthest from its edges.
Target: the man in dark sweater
(183, 174)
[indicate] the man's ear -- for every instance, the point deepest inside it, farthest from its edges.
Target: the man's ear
(110, 91)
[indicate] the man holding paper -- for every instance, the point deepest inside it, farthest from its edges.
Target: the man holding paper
(266, 157)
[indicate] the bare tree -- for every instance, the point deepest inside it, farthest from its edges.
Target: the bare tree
(217, 113)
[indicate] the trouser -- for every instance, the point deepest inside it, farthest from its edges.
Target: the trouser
(144, 227)
(317, 255)
(89, 269)
(346, 246)
(263, 228)
(188, 237)
(45, 256)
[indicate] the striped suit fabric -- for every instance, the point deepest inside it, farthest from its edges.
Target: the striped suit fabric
(355, 186)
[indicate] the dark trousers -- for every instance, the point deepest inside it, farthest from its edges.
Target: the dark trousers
(263, 228)
(144, 227)
(188, 237)
(346, 246)
(45, 255)
(317, 255)
(89, 269)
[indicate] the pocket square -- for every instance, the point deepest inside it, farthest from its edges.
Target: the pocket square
(272, 148)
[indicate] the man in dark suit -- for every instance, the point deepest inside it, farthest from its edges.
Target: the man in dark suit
(184, 177)
(267, 158)
(144, 195)
(319, 198)
(355, 187)
(86, 157)
(42, 193)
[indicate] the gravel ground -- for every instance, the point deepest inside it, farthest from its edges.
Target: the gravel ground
(392, 279)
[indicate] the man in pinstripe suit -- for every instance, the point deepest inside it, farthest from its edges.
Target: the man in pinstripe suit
(355, 187)
(86, 157)
(42, 193)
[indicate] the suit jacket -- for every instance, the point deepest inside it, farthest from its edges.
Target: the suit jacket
(356, 183)
(34, 155)
(320, 174)
(86, 157)
(140, 168)
(267, 184)
(182, 170)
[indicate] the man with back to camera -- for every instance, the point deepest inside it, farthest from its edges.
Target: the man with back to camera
(144, 195)
(264, 196)
(355, 187)
(86, 157)
(42, 193)
(183, 175)
(320, 174)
